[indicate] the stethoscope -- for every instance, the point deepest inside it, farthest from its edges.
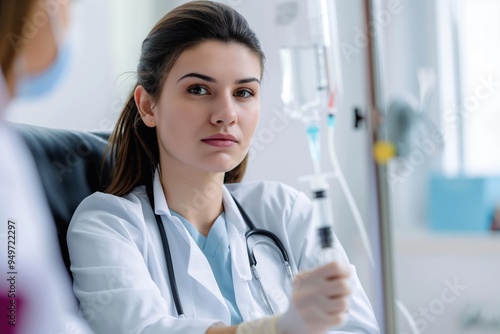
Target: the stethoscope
(252, 231)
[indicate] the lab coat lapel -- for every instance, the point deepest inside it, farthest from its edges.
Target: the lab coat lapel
(197, 267)
(242, 275)
(236, 229)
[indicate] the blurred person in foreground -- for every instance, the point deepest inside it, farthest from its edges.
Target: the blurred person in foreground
(35, 289)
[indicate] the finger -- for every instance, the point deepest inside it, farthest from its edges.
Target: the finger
(333, 270)
(334, 306)
(317, 277)
(307, 278)
(336, 319)
(336, 288)
(321, 294)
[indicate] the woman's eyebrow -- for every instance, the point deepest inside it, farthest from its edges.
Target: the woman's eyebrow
(243, 81)
(210, 79)
(197, 75)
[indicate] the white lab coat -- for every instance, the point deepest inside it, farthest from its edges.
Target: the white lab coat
(40, 280)
(120, 274)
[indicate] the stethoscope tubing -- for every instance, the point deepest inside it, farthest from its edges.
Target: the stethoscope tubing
(168, 257)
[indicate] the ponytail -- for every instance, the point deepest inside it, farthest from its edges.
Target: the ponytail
(134, 154)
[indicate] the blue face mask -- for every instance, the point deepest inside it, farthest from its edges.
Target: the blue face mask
(30, 86)
(37, 85)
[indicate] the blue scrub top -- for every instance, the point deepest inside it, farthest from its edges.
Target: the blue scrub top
(216, 249)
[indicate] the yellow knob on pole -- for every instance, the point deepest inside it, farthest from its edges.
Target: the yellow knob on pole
(383, 151)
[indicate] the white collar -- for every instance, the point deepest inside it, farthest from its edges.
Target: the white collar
(233, 214)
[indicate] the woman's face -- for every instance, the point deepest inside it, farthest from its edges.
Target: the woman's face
(209, 108)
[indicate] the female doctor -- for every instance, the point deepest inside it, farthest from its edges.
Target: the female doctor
(179, 151)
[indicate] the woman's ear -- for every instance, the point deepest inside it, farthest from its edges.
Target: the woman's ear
(144, 103)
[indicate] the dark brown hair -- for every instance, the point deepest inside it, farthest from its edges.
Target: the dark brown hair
(133, 145)
(11, 30)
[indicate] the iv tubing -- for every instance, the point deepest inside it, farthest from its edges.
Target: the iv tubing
(347, 191)
(314, 146)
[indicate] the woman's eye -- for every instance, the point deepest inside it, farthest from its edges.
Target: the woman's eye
(197, 90)
(245, 93)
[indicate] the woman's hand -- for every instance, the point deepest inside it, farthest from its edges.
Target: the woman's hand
(319, 300)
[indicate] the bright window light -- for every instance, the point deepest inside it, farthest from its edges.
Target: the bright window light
(480, 46)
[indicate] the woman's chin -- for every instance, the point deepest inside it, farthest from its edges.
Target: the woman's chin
(221, 165)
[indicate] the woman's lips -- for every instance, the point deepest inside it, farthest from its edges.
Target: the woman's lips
(219, 142)
(222, 140)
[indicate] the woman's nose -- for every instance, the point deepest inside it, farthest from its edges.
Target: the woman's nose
(224, 112)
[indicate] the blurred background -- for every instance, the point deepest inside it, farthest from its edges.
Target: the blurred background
(441, 63)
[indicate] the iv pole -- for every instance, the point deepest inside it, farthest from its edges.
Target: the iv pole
(381, 208)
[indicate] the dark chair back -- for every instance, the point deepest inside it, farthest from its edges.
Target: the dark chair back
(70, 167)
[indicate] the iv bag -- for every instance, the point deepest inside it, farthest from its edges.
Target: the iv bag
(304, 81)
(310, 63)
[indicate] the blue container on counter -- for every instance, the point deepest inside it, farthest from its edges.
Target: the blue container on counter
(462, 203)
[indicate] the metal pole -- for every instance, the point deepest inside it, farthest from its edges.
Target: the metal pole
(457, 63)
(377, 85)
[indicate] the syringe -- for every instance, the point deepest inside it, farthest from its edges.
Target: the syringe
(323, 217)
